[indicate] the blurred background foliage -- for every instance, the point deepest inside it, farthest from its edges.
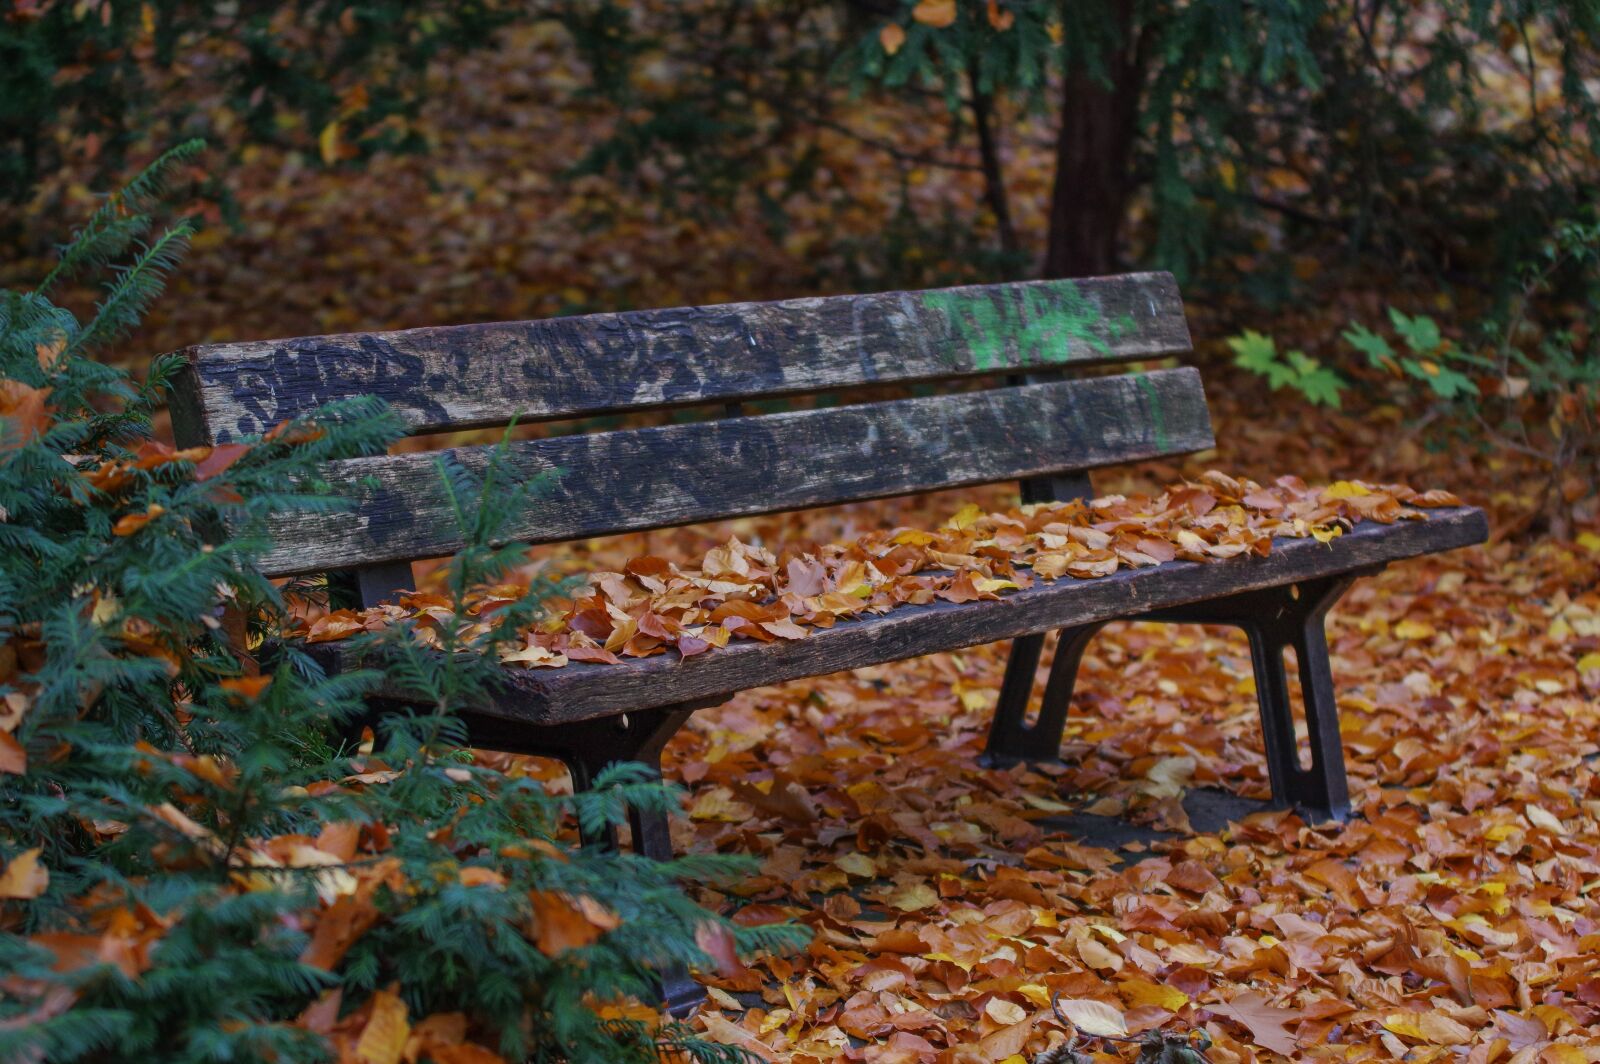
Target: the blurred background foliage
(1299, 165)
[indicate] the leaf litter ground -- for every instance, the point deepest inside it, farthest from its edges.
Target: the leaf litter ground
(1454, 916)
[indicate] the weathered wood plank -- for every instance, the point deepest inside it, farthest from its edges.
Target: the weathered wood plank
(473, 375)
(542, 697)
(608, 482)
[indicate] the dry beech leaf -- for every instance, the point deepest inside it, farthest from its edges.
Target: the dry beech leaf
(1093, 1017)
(383, 1039)
(13, 758)
(24, 876)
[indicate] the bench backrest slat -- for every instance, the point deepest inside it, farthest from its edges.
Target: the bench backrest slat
(636, 479)
(467, 376)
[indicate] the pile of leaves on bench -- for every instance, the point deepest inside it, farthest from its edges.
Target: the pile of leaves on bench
(745, 591)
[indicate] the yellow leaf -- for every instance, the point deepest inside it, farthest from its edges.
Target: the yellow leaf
(964, 517)
(384, 1038)
(328, 143)
(1326, 533)
(24, 877)
(1036, 993)
(1345, 489)
(1093, 1017)
(1404, 1024)
(719, 804)
(1590, 662)
(1412, 629)
(1589, 541)
(919, 895)
(1138, 992)
(892, 37)
(911, 537)
(935, 13)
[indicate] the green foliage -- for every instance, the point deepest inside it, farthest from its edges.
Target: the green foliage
(1295, 369)
(86, 74)
(1368, 129)
(168, 762)
(1433, 360)
(1524, 381)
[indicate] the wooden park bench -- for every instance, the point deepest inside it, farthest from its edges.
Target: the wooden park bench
(1029, 421)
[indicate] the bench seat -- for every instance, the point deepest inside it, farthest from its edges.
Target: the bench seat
(583, 691)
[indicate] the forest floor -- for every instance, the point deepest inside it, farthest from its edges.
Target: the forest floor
(1457, 914)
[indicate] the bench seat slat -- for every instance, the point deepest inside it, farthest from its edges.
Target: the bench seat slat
(679, 474)
(465, 376)
(582, 691)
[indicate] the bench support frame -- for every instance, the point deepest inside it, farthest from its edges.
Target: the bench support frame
(1274, 619)
(586, 748)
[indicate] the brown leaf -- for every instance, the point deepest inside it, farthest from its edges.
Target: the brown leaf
(564, 922)
(1265, 1021)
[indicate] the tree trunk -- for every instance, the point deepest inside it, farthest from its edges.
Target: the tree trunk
(994, 179)
(1094, 157)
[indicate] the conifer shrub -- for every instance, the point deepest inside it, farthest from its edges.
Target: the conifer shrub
(204, 856)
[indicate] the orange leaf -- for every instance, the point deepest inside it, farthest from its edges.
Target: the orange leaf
(892, 37)
(478, 876)
(23, 413)
(998, 18)
(346, 920)
(247, 687)
(221, 457)
(935, 13)
(563, 922)
(13, 758)
(128, 524)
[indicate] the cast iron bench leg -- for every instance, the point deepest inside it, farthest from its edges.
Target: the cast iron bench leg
(587, 747)
(1277, 619)
(1011, 738)
(1274, 619)
(643, 740)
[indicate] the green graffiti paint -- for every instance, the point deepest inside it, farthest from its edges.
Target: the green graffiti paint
(1158, 418)
(1035, 325)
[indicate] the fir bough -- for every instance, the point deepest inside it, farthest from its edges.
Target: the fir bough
(203, 857)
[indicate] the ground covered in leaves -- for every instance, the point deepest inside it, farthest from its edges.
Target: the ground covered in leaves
(1456, 909)
(1455, 916)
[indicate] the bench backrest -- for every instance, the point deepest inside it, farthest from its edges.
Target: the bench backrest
(603, 482)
